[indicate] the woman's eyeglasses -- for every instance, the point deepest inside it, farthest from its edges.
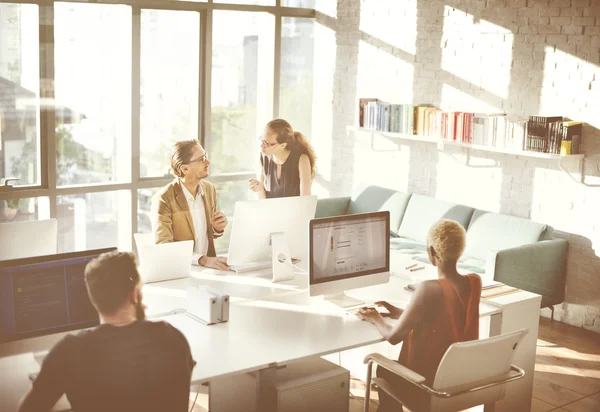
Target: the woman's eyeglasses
(265, 142)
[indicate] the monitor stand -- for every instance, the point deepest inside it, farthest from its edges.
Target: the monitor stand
(344, 301)
(282, 261)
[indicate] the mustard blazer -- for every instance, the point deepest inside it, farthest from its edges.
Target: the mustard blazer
(172, 219)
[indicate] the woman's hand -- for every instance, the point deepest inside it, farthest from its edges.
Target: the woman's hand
(394, 312)
(254, 185)
(369, 314)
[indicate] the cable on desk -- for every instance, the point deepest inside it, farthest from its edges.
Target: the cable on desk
(195, 399)
(169, 313)
(299, 269)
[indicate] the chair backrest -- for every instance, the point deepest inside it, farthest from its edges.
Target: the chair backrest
(475, 363)
(28, 239)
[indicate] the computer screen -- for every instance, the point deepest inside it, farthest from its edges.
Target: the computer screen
(350, 246)
(45, 294)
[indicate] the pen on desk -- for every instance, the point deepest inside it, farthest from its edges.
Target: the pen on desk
(419, 268)
(411, 266)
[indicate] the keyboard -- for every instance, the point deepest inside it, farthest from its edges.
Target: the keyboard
(249, 267)
(354, 310)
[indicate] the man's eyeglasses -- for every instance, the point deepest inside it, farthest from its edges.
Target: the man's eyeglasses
(202, 159)
(265, 142)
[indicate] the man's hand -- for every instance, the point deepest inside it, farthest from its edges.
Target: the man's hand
(254, 185)
(219, 221)
(219, 262)
(394, 311)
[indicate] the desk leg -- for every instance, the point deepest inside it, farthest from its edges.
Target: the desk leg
(266, 394)
(523, 314)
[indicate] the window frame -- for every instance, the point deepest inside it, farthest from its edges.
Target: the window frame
(47, 186)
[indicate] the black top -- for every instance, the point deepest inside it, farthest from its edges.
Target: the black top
(289, 182)
(144, 366)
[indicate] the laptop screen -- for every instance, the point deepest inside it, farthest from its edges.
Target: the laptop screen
(45, 294)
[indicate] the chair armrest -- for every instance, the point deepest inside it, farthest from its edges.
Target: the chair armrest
(394, 367)
(537, 267)
(332, 206)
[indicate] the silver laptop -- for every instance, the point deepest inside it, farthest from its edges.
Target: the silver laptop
(164, 261)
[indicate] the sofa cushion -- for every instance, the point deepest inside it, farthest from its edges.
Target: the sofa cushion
(407, 246)
(376, 199)
(471, 265)
(423, 211)
(489, 231)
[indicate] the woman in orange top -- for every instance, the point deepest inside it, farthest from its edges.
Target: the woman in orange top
(441, 312)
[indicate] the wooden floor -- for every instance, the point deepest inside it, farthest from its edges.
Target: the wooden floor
(567, 373)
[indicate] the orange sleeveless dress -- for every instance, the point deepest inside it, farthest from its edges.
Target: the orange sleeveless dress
(456, 320)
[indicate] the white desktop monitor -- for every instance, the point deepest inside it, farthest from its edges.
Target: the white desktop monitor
(348, 252)
(28, 239)
(271, 230)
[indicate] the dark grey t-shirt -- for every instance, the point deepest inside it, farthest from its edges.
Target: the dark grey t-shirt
(144, 366)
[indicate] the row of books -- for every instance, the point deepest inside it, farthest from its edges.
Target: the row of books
(382, 116)
(539, 133)
(553, 135)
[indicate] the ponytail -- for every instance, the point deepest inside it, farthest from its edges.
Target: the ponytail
(295, 141)
(304, 147)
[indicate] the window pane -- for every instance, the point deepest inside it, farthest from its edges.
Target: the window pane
(93, 92)
(242, 88)
(254, 2)
(94, 220)
(19, 93)
(169, 85)
(328, 7)
(19, 210)
(144, 222)
(296, 93)
(227, 194)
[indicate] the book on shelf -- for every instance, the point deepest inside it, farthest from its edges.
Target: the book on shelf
(570, 137)
(539, 133)
(362, 103)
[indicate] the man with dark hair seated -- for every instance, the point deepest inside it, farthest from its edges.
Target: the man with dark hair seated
(126, 363)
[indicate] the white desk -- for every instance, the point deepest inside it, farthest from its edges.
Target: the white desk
(274, 324)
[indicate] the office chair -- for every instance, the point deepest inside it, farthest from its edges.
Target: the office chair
(470, 374)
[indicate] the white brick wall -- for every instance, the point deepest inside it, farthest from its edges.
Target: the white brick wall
(521, 57)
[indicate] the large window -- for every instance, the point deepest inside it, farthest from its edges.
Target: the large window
(93, 93)
(19, 94)
(93, 220)
(297, 62)
(242, 88)
(169, 85)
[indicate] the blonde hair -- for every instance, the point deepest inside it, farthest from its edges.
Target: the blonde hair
(448, 239)
(295, 141)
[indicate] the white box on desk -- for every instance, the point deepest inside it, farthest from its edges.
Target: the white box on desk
(202, 304)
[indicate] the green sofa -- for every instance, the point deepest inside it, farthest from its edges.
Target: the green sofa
(509, 249)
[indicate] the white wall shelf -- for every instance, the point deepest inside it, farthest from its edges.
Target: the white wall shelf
(442, 143)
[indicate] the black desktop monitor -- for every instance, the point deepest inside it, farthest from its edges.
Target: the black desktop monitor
(43, 295)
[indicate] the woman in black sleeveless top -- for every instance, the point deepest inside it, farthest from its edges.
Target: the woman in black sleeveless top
(287, 163)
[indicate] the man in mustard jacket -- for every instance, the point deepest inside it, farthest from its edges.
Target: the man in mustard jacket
(186, 209)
